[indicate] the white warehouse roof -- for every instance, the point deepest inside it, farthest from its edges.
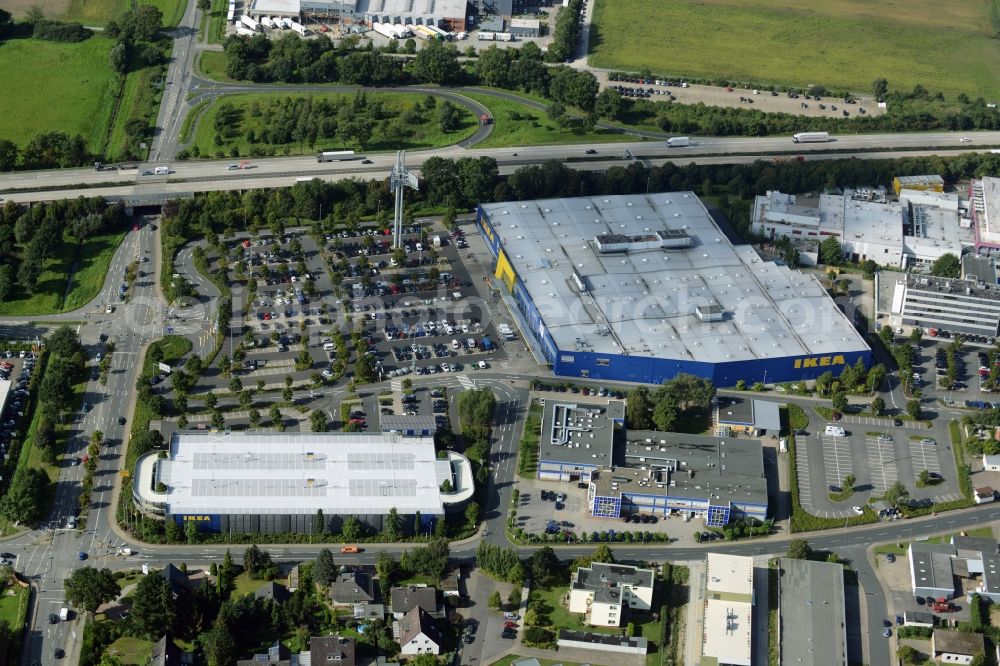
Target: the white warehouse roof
(643, 302)
(296, 473)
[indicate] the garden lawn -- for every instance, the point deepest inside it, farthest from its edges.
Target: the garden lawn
(427, 134)
(517, 124)
(131, 651)
(50, 295)
(212, 65)
(10, 605)
(72, 89)
(946, 45)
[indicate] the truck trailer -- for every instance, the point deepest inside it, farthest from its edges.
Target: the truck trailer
(811, 137)
(249, 23)
(384, 29)
(443, 34)
(335, 155)
(486, 36)
(402, 32)
(245, 32)
(678, 142)
(299, 28)
(423, 32)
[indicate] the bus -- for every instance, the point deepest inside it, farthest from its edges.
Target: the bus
(335, 156)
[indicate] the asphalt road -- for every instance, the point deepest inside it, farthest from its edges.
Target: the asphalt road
(174, 104)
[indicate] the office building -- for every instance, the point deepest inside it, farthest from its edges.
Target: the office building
(728, 594)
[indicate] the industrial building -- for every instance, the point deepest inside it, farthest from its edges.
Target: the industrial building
(956, 647)
(918, 228)
(746, 416)
(928, 183)
(446, 14)
(984, 209)
(640, 288)
(979, 268)
(650, 472)
(604, 593)
(728, 595)
(812, 627)
(974, 561)
(509, 8)
(277, 483)
(525, 27)
(943, 304)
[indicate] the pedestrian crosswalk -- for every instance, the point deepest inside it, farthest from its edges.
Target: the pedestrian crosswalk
(466, 382)
(396, 385)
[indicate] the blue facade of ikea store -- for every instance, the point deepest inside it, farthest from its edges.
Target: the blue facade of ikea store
(656, 370)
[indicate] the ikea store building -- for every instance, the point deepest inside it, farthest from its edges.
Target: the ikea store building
(639, 288)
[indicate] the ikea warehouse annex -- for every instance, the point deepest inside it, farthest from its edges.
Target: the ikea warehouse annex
(278, 482)
(642, 287)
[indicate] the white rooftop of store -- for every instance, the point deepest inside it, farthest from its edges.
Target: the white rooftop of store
(644, 302)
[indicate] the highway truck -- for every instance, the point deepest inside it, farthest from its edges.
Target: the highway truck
(385, 29)
(335, 155)
(811, 137)
(678, 142)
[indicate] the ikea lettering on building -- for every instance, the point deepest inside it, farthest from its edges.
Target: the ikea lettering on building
(642, 287)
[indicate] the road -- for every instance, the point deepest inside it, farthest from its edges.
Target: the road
(180, 73)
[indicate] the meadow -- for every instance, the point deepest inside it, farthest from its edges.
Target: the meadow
(99, 12)
(388, 133)
(72, 89)
(945, 45)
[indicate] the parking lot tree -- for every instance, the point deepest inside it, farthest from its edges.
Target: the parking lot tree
(895, 493)
(275, 415)
(88, 588)
(225, 365)
(352, 528)
(254, 416)
(916, 335)
(913, 408)
(923, 479)
(494, 602)
(798, 549)
(218, 419)
(325, 569)
(878, 406)
(211, 400)
(235, 385)
(303, 361)
(318, 422)
(830, 252)
(839, 401)
(246, 399)
(153, 610)
(849, 481)
(407, 384)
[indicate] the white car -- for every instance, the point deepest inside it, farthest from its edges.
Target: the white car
(858, 510)
(966, 139)
(483, 365)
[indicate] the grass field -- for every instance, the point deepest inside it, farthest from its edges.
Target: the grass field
(212, 65)
(50, 296)
(99, 12)
(947, 46)
(424, 135)
(131, 651)
(71, 89)
(521, 125)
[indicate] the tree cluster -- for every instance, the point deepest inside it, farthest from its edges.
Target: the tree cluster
(566, 36)
(475, 410)
(660, 409)
(56, 31)
(501, 563)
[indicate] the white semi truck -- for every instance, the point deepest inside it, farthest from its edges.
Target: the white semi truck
(249, 23)
(811, 137)
(678, 142)
(384, 29)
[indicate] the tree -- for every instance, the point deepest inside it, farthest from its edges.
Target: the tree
(494, 602)
(608, 104)
(205, 5)
(824, 382)
(211, 400)
(916, 335)
(880, 87)
(235, 385)
(88, 588)
(849, 481)
(830, 252)
(118, 57)
(665, 415)
(947, 266)
(191, 531)
(639, 408)
(255, 560)
(352, 529)
(448, 116)
(318, 422)
(472, 514)
(154, 610)
(895, 493)
(798, 549)
(530, 617)
(423, 659)
(923, 478)
(437, 63)
(218, 419)
(878, 406)
(324, 570)
(913, 408)
(839, 401)
(391, 526)
(543, 566)
(24, 499)
(254, 418)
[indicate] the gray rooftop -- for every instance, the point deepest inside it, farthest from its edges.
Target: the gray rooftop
(694, 466)
(403, 422)
(930, 565)
(578, 433)
(739, 410)
(976, 268)
(909, 181)
(958, 642)
(413, 8)
(405, 599)
(300, 472)
(606, 580)
(811, 613)
(642, 301)
(600, 639)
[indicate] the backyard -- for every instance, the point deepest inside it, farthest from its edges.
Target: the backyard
(946, 46)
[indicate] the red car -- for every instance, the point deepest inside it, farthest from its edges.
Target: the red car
(728, 89)
(267, 316)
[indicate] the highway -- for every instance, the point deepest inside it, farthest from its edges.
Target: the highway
(200, 176)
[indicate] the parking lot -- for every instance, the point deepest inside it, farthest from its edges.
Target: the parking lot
(17, 368)
(881, 462)
(837, 459)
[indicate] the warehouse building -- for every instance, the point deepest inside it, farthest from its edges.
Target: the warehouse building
(812, 627)
(577, 439)
(276, 483)
(447, 14)
(640, 288)
(979, 268)
(289, 9)
(728, 594)
(943, 304)
(975, 561)
(525, 27)
(743, 416)
(929, 183)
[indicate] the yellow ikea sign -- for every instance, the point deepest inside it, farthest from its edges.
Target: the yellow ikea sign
(819, 361)
(201, 519)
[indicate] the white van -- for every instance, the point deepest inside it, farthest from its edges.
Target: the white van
(161, 171)
(328, 346)
(835, 431)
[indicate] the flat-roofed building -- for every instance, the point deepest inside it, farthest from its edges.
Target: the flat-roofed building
(605, 593)
(576, 438)
(277, 482)
(727, 626)
(953, 305)
(933, 183)
(812, 628)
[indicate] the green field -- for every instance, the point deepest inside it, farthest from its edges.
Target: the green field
(99, 12)
(212, 65)
(946, 45)
(517, 124)
(50, 296)
(386, 134)
(131, 651)
(72, 89)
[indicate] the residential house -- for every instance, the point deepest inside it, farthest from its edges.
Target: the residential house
(352, 587)
(405, 599)
(991, 463)
(165, 653)
(276, 655)
(276, 592)
(417, 633)
(332, 651)
(604, 592)
(983, 495)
